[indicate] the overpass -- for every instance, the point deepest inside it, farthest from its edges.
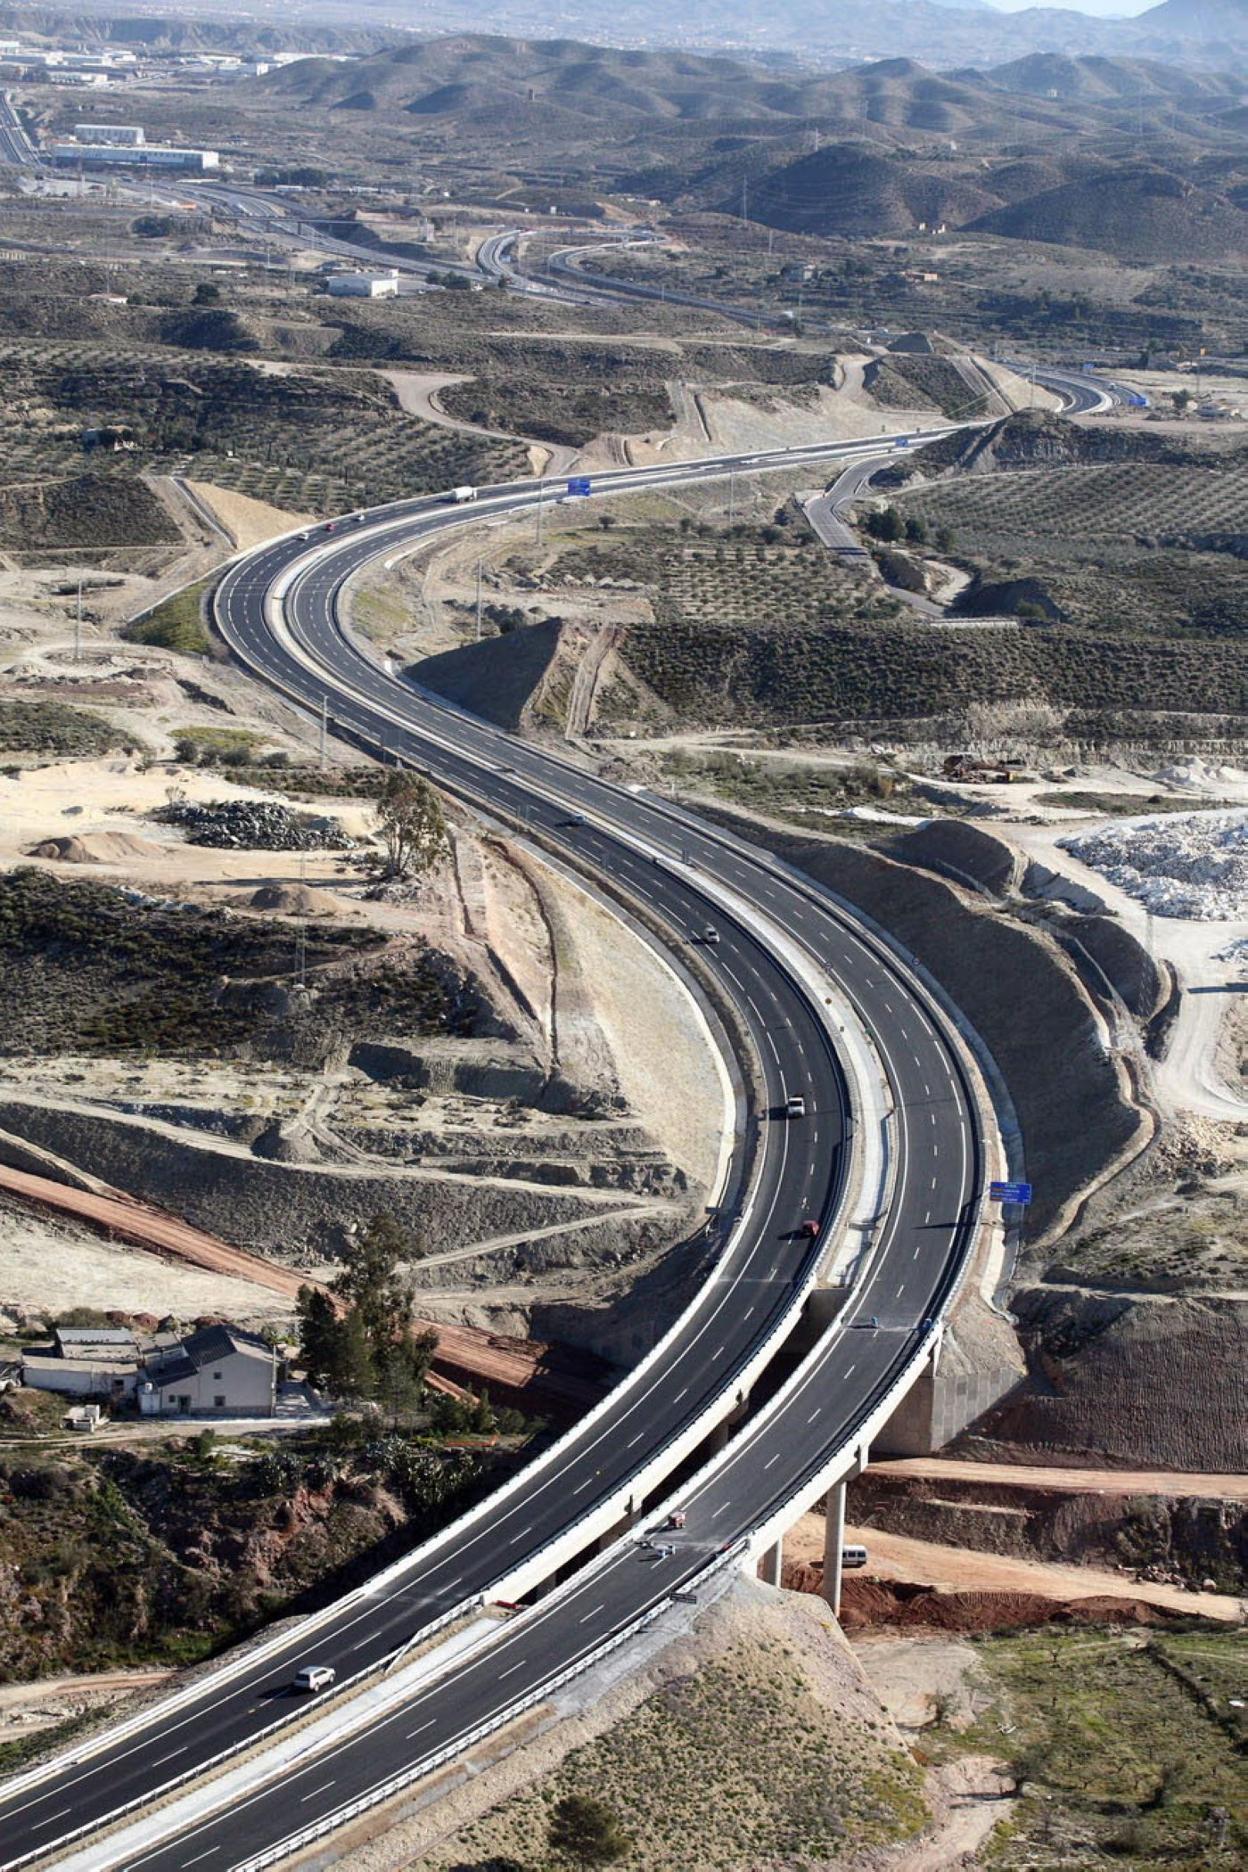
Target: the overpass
(826, 1006)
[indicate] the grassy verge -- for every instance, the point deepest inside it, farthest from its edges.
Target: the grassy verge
(177, 623)
(28, 1748)
(736, 1765)
(1122, 1750)
(782, 790)
(1127, 805)
(55, 728)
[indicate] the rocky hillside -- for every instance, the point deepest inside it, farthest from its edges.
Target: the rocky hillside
(87, 971)
(164, 1553)
(86, 510)
(1033, 439)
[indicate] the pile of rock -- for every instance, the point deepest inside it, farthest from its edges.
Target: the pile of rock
(255, 825)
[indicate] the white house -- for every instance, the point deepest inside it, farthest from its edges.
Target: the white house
(218, 1371)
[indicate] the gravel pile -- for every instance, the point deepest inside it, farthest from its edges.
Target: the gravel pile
(255, 825)
(1180, 865)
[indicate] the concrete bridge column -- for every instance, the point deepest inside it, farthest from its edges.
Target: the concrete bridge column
(771, 1566)
(723, 1432)
(833, 1542)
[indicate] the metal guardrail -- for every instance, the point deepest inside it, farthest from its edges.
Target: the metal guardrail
(202, 1769)
(471, 1515)
(385, 1790)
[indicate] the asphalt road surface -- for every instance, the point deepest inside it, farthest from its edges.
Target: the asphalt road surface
(918, 1248)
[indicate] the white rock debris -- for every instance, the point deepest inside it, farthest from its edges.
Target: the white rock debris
(1192, 865)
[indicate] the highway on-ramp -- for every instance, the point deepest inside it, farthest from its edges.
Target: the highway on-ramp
(691, 877)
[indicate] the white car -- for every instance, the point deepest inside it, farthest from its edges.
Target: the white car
(314, 1678)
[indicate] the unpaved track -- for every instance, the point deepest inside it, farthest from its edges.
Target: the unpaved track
(1167, 1482)
(514, 1363)
(962, 1570)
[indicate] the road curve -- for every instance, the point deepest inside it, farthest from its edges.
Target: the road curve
(670, 860)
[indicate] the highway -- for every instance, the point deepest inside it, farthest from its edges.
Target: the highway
(15, 145)
(802, 1164)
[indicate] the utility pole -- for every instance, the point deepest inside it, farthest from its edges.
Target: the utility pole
(541, 511)
(732, 497)
(324, 729)
(478, 600)
(78, 625)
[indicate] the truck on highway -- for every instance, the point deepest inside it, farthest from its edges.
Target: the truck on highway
(461, 494)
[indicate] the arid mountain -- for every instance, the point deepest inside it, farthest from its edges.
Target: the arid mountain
(849, 190)
(1138, 213)
(474, 72)
(1093, 79)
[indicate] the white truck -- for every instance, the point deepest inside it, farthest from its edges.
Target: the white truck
(461, 494)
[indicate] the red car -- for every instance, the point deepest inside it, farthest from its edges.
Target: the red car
(809, 1227)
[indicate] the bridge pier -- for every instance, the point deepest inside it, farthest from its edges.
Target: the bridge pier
(833, 1544)
(771, 1566)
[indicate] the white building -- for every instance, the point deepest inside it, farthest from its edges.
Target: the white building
(135, 156)
(363, 285)
(129, 134)
(218, 1371)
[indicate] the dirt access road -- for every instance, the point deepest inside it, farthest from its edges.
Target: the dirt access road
(964, 1570)
(468, 1350)
(1170, 1483)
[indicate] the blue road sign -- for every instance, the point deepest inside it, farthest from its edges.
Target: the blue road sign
(579, 484)
(1010, 1192)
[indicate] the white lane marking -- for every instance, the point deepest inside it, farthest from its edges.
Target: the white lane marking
(511, 1670)
(169, 1757)
(814, 1413)
(769, 1464)
(198, 1856)
(636, 1439)
(323, 1789)
(421, 1729)
(901, 1290)
(597, 1609)
(722, 1509)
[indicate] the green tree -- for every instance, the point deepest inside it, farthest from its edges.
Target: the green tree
(885, 525)
(320, 1335)
(586, 1832)
(412, 827)
(206, 294)
(354, 1374)
(379, 1307)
